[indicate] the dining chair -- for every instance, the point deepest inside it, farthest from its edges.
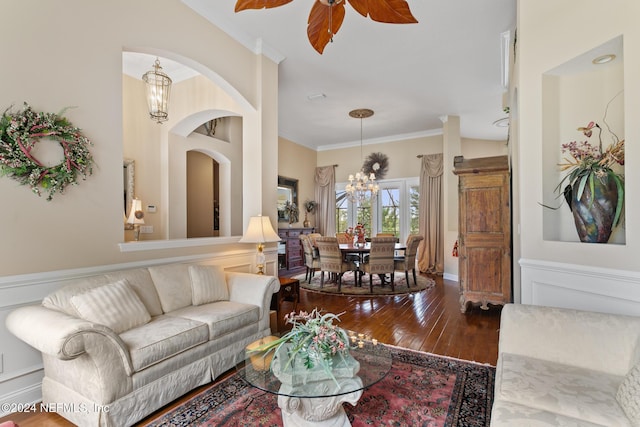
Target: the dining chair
(380, 260)
(344, 239)
(331, 260)
(313, 237)
(408, 261)
(311, 257)
(385, 235)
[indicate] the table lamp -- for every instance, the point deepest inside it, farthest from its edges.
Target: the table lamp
(260, 231)
(136, 217)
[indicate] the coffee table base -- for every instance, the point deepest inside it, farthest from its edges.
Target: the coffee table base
(318, 411)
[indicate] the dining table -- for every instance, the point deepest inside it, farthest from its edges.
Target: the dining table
(361, 249)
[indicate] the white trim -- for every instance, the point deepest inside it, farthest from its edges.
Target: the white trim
(148, 245)
(381, 140)
(581, 287)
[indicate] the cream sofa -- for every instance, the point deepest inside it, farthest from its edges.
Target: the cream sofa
(561, 367)
(118, 346)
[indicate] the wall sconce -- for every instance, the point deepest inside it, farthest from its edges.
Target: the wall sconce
(136, 217)
(260, 231)
(158, 90)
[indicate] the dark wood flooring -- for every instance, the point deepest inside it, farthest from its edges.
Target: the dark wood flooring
(427, 321)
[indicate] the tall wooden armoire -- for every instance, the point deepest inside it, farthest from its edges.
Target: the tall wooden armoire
(484, 240)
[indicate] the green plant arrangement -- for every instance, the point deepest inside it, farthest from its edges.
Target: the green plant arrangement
(314, 339)
(593, 188)
(20, 132)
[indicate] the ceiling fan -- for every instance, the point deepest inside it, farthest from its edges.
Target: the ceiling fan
(326, 16)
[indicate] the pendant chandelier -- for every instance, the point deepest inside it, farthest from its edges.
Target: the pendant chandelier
(361, 186)
(158, 89)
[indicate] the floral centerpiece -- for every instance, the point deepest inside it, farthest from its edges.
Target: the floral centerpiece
(594, 186)
(313, 341)
(360, 233)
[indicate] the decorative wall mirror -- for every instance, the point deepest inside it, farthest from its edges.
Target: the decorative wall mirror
(287, 193)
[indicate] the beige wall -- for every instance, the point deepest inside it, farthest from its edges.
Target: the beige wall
(298, 162)
(541, 48)
(61, 59)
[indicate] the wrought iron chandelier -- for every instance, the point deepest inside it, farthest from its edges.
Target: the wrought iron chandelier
(158, 90)
(361, 186)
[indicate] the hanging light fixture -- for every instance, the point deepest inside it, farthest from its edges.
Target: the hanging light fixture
(158, 90)
(361, 185)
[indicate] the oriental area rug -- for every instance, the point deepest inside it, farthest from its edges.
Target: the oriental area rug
(421, 389)
(349, 284)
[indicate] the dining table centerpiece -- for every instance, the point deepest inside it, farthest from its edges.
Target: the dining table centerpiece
(594, 184)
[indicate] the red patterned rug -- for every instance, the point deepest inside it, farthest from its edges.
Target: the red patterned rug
(421, 389)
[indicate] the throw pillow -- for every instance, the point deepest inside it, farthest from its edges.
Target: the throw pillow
(628, 395)
(208, 284)
(114, 305)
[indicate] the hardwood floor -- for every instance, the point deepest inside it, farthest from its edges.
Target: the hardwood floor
(427, 321)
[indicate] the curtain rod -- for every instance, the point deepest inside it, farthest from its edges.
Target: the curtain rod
(420, 156)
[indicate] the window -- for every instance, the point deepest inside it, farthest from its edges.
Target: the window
(395, 209)
(414, 209)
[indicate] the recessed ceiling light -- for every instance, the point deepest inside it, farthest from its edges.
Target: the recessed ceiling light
(604, 59)
(502, 123)
(316, 97)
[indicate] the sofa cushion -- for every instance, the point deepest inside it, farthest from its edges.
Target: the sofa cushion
(629, 395)
(173, 285)
(114, 305)
(208, 284)
(221, 317)
(60, 300)
(161, 338)
(140, 280)
(575, 392)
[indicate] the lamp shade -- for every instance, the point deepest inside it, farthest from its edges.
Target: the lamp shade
(259, 231)
(135, 214)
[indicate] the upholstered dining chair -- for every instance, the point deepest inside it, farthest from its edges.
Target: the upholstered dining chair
(344, 239)
(380, 260)
(331, 260)
(311, 257)
(313, 237)
(408, 261)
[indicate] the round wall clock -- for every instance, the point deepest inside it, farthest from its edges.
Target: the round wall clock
(377, 163)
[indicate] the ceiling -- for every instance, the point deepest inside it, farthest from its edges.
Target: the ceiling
(411, 75)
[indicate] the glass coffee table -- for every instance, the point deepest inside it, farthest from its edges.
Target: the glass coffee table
(308, 398)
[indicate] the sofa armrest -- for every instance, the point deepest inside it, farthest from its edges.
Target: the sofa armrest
(60, 335)
(603, 342)
(253, 289)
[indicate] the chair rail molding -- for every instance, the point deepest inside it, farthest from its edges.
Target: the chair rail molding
(580, 287)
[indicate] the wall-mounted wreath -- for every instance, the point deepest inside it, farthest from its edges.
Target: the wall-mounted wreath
(377, 163)
(20, 132)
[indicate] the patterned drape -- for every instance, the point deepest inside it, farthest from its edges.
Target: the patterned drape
(325, 193)
(431, 258)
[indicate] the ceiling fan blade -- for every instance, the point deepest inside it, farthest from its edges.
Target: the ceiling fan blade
(259, 4)
(318, 24)
(387, 11)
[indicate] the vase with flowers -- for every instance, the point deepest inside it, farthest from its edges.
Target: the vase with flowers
(309, 208)
(313, 350)
(594, 184)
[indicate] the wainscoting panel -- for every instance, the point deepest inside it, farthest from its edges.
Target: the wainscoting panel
(580, 287)
(21, 370)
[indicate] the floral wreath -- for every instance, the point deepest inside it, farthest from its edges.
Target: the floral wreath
(378, 163)
(19, 133)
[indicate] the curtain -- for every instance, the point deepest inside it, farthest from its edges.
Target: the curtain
(431, 253)
(326, 198)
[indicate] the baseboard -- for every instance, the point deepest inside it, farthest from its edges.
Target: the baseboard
(580, 287)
